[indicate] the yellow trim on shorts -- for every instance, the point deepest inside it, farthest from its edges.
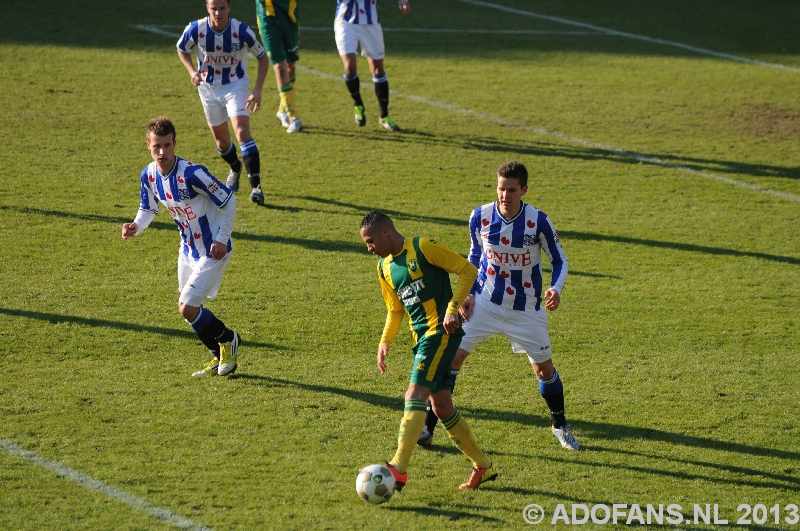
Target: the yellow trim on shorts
(437, 358)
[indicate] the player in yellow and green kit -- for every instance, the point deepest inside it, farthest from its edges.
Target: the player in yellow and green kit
(277, 23)
(414, 278)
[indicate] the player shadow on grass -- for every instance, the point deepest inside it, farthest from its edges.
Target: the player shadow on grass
(777, 481)
(588, 430)
(552, 149)
(56, 318)
(451, 515)
(307, 243)
(567, 235)
(359, 248)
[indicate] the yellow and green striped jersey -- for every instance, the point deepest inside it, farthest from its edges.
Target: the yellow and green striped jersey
(417, 281)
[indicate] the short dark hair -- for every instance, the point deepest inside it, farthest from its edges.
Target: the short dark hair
(377, 219)
(514, 170)
(161, 126)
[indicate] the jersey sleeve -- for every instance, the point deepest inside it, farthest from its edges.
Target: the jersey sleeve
(205, 183)
(148, 205)
(476, 243)
(188, 39)
(551, 245)
(249, 38)
(394, 310)
(442, 257)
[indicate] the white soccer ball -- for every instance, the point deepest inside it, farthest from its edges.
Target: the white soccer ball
(375, 484)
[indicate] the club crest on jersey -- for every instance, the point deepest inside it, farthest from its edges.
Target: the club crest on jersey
(183, 194)
(413, 266)
(529, 240)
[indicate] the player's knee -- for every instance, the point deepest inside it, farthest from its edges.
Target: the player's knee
(543, 370)
(188, 312)
(442, 405)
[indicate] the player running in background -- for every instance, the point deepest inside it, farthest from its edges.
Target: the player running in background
(357, 23)
(221, 44)
(508, 238)
(414, 278)
(204, 210)
(277, 21)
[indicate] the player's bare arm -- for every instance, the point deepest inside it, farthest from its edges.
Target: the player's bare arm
(254, 99)
(383, 351)
(129, 230)
(186, 59)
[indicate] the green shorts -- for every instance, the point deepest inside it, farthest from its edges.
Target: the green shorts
(433, 357)
(279, 34)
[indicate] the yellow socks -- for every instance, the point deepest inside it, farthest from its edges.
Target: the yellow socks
(459, 432)
(287, 99)
(410, 430)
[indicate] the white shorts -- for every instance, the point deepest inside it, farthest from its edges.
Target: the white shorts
(349, 36)
(527, 331)
(220, 102)
(200, 280)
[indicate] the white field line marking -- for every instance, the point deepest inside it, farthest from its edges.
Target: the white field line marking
(162, 29)
(630, 35)
(481, 31)
(98, 486)
(647, 159)
(574, 140)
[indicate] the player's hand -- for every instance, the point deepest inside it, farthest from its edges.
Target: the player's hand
(383, 351)
(552, 299)
(254, 100)
(196, 79)
(466, 309)
(404, 7)
(128, 230)
(218, 250)
(451, 323)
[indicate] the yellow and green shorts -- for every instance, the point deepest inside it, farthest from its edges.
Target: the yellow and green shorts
(279, 34)
(433, 356)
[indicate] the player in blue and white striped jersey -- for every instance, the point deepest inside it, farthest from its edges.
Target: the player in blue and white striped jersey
(508, 239)
(204, 210)
(356, 23)
(221, 44)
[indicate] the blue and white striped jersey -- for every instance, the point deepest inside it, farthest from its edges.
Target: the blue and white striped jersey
(507, 253)
(193, 197)
(357, 11)
(221, 57)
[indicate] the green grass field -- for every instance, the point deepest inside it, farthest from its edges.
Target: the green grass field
(672, 175)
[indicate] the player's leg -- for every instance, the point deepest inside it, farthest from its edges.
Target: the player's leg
(284, 85)
(198, 281)
(486, 320)
(431, 418)
(528, 334)
(217, 118)
(410, 428)
(373, 47)
(430, 368)
(346, 35)
(250, 155)
(280, 37)
(552, 390)
(457, 428)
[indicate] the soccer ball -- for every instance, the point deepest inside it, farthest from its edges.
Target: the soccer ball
(375, 484)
